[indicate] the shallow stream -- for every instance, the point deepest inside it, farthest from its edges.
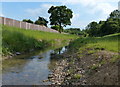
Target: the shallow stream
(30, 69)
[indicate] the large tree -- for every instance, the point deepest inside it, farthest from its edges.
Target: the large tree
(60, 15)
(41, 21)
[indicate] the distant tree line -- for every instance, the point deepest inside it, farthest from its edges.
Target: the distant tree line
(39, 21)
(94, 29)
(110, 26)
(75, 31)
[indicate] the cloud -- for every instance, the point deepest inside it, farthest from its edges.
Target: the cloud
(1, 14)
(104, 6)
(76, 21)
(96, 9)
(41, 11)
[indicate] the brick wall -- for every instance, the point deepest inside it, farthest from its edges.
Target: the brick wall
(25, 25)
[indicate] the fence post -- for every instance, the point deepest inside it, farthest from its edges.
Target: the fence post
(13, 22)
(20, 24)
(25, 25)
(4, 21)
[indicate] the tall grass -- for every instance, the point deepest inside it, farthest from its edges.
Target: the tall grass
(39, 35)
(22, 40)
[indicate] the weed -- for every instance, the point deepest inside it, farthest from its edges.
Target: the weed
(94, 67)
(115, 58)
(77, 76)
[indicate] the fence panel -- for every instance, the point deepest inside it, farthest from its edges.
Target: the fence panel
(8, 21)
(25, 25)
(16, 23)
(1, 20)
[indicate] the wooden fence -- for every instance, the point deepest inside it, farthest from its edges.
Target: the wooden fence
(24, 25)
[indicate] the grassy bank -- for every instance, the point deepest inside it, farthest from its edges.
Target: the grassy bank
(98, 57)
(22, 40)
(109, 43)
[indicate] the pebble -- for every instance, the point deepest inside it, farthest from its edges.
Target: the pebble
(45, 80)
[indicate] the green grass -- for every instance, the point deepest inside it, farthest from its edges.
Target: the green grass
(77, 76)
(0, 40)
(115, 58)
(109, 43)
(39, 35)
(94, 67)
(22, 40)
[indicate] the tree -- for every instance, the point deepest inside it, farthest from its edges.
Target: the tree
(92, 29)
(28, 21)
(60, 15)
(115, 14)
(111, 26)
(41, 21)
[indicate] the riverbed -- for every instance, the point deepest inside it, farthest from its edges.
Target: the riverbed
(31, 69)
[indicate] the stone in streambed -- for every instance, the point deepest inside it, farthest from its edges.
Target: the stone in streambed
(40, 57)
(50, 76)
(17, 53)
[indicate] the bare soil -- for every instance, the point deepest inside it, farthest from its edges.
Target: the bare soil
(86, 69)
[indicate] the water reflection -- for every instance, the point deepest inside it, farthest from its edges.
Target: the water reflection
(59, 50)
(29, 70)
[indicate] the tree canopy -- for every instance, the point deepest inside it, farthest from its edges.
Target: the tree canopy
(60, 15)
(115, 14)
(41, 21)
(110, 26)
(28, 21)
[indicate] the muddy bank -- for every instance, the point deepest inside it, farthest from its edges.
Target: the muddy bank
(86, 68)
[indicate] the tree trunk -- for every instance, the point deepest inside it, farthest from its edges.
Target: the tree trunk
(60, 28)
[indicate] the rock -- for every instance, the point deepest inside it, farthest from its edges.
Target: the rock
(17, 53)
(59, 83)
(50, 76)
(53, 83)
(40, 57)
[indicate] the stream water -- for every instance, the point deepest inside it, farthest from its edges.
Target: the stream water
(29, 70)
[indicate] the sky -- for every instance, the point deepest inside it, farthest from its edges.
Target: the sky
(84, 11)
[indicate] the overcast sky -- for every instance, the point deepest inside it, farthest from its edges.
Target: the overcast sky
(84, 11)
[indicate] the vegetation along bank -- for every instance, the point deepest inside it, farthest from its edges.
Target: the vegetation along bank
(16, 41)
(88, 61)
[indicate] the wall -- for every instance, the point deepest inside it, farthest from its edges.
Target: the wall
(25, 25)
